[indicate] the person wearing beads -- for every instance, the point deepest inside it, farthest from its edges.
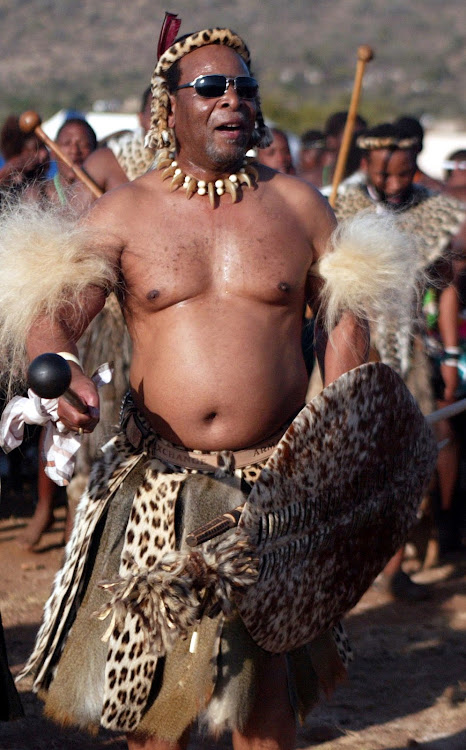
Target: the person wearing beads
(213, 258)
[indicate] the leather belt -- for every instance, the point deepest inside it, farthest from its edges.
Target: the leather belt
(136, 431)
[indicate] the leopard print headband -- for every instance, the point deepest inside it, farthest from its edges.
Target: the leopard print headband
(159, 135)
(374, 143)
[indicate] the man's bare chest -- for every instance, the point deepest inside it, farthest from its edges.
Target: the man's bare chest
(266, 260)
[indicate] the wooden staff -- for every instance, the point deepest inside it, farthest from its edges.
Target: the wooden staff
(365, 55)
(30, 122)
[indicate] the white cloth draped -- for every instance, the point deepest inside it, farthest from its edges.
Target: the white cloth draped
(60, 444)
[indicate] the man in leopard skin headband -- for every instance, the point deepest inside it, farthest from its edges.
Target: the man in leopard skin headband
(165, 80)
(213, 260)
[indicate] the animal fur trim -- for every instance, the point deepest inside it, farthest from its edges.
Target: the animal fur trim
(47, 261)
(372, 269)
(182, 588)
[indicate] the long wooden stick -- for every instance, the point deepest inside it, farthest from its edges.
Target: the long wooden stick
(365, 54)
(30, 122)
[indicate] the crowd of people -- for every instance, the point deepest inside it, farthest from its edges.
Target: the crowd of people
(212, 355)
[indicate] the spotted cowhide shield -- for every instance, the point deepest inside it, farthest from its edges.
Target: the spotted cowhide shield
(334, 502)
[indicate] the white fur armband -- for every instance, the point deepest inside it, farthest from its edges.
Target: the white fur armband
(372, 269)
(47, 260)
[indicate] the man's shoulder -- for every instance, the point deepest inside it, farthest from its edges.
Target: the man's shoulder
(100, 164)
(102, 155)
(435, 199)
(353, 199)
(129, 192)
(292, 188)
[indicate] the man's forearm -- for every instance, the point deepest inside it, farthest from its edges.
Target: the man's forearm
(47, 337)
(63, 333)
(448, 316)
(347, 347)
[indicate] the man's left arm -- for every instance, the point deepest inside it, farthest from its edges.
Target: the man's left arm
(348, 344)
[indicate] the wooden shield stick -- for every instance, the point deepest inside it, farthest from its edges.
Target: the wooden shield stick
(365, 54)
(30, 122)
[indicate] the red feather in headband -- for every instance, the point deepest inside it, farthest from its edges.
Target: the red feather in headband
(170, 27)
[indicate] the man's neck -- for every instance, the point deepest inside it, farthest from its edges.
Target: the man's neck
(211, 172)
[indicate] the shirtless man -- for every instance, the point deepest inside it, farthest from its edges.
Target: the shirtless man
(213, 298)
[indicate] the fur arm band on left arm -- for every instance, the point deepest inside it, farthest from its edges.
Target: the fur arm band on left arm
(371, 269)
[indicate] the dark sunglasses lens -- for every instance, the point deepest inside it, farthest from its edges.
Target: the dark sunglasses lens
(246, 87)
(211, 86)
(214, 86)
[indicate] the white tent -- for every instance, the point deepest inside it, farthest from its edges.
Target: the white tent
(439, 143)
(104, 123)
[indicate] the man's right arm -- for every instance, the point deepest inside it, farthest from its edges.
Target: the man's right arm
(348, 345)
(62, 333)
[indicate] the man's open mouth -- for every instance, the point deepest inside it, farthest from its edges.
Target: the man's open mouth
(230, 127)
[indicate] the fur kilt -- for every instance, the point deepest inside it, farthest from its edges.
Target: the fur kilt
(92, 663)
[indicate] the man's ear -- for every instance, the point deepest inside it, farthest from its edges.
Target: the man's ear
(171, 116)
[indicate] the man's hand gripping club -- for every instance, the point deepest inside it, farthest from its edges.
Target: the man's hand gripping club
(50, 375)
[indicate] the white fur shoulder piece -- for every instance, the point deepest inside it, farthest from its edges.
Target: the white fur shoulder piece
(372, 269)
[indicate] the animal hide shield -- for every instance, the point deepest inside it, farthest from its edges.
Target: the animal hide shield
(333, 504)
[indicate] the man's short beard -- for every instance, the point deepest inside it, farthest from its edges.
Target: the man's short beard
(406, 199)
(226, 161)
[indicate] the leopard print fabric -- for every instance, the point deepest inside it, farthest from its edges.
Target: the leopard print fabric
(131, 154)
(130, 659)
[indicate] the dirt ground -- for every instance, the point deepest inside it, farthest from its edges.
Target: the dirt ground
(407, 685)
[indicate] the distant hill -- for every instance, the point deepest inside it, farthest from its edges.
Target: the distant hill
(70, 53)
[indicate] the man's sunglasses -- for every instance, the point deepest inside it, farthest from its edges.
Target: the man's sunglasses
(214, 86)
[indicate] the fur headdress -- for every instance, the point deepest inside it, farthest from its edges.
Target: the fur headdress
(160, 136)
